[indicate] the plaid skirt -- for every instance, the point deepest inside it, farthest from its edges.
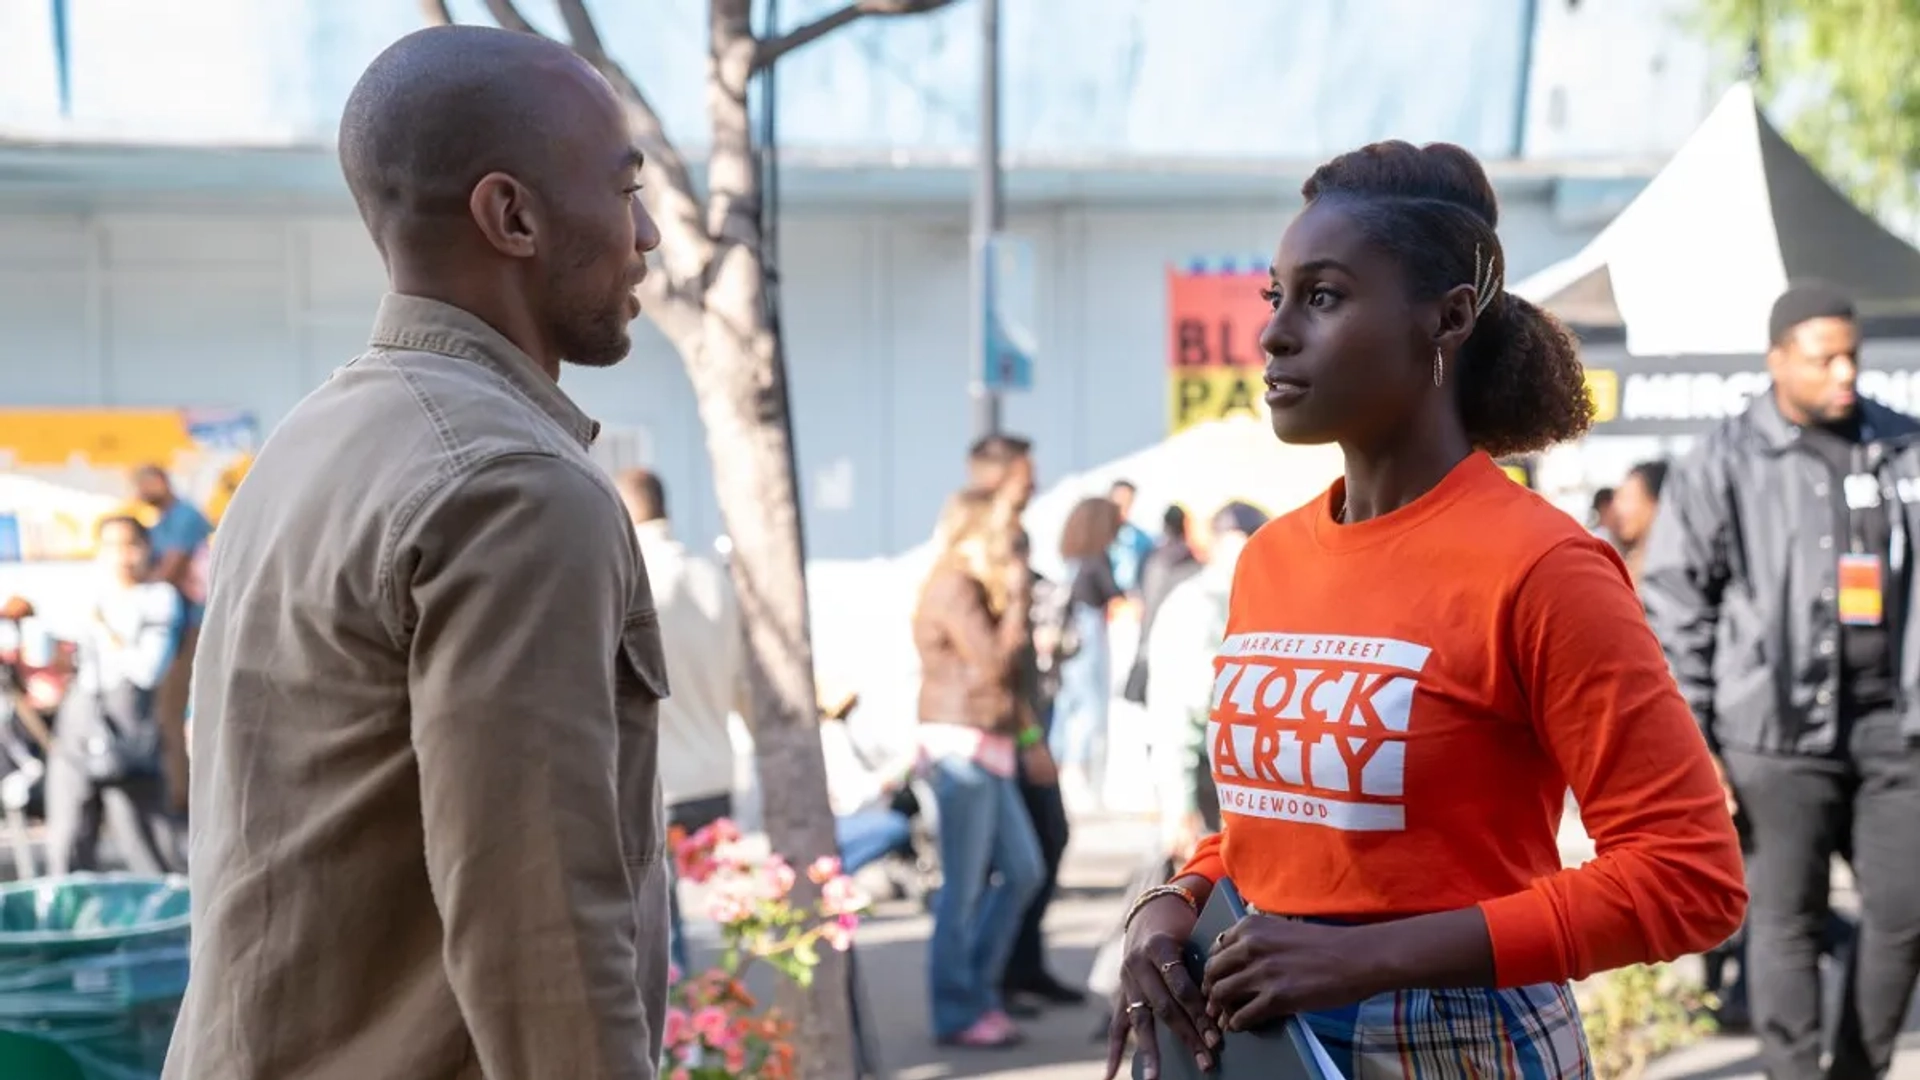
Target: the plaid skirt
(1528, 1033)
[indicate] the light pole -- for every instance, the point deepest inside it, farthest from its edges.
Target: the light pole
(986, 223)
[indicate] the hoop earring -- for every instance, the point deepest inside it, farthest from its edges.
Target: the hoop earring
(1439, 367)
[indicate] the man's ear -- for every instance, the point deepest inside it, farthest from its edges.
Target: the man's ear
(503, 210)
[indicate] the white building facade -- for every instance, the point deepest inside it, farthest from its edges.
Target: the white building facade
(175, 241)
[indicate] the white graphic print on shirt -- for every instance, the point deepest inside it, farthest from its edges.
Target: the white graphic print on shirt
(1312, 728)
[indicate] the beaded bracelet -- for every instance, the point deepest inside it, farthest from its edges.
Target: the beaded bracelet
(1149, 896)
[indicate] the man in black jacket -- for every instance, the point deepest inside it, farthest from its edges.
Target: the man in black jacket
(1779, 579)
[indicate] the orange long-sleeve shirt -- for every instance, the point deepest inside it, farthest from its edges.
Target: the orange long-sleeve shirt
(1401, 704)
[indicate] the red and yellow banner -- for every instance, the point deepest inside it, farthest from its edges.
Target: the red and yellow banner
(1214, 363)
(61, 470)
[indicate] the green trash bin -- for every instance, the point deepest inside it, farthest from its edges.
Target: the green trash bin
(95, 964)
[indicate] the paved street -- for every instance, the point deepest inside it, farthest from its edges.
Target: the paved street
(1737, 1057)
(1104, 856)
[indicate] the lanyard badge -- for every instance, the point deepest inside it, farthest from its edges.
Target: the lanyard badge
(1862, 589)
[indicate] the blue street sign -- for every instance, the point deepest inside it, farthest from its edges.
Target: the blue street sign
(1012, 327)
(62, 57)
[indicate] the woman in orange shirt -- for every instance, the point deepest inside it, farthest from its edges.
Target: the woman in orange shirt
(1417, 667)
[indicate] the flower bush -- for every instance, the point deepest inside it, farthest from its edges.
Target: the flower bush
(1636, 1014)
(715, 1028)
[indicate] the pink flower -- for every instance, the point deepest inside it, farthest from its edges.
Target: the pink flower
(839, 933)
(711, 1025)
(693, 860)
(840, 896)
(673, 974)
(736, 1058)
(779, 877)
(824, 869)
(724, 831)
(681, 1073)
(676, 1030)
(727, 907)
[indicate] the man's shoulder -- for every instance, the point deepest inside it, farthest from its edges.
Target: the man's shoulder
(1743, 434)
(469, 406)
(1888, 422)
(183, 514)
(400, 430)
(1183, 600)
(182, 526)
(538, 482)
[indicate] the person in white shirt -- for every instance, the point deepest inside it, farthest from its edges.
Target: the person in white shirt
(700, 623)
(1180, 649)
(104, 773)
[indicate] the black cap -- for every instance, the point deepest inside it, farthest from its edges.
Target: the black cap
(1239, 517)
(1804, 302)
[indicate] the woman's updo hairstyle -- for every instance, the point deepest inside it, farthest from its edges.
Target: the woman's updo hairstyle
(1517, 378)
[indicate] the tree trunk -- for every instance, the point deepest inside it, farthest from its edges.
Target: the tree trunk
(708, 297)
(740, 388)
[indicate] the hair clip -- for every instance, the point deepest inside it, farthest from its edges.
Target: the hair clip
(1486, 282)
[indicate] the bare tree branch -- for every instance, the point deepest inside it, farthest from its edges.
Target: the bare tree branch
(686, 247)
(508, 16)
(773, 49)
(435, 12)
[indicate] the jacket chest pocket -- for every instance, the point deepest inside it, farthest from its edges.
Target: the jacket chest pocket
(642, 686)
(644, 657)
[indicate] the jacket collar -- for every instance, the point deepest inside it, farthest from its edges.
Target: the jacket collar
(1878, 424)
(423, 325)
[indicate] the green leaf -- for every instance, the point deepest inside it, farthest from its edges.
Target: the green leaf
(1850, 67)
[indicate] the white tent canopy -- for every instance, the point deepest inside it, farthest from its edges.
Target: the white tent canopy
(1693, 265)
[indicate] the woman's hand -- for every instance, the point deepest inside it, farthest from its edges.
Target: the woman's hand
(1155, 985)
(1266, 969)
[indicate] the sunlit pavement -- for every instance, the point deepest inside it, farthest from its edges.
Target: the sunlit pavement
(1737, 1057)
(1106, 853)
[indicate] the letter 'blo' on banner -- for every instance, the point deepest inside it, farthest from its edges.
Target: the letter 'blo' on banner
(1214, 364)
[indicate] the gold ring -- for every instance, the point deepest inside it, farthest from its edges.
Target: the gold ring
(1136, 1006)
(1167, 968)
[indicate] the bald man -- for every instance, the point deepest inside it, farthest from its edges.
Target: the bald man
(427, 827)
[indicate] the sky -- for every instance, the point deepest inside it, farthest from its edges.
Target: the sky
(1150, 78)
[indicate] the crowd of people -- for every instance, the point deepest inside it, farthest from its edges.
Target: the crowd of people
(431, 696)
(106, 680)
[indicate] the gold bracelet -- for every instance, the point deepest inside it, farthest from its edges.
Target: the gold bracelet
(1149, 896)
